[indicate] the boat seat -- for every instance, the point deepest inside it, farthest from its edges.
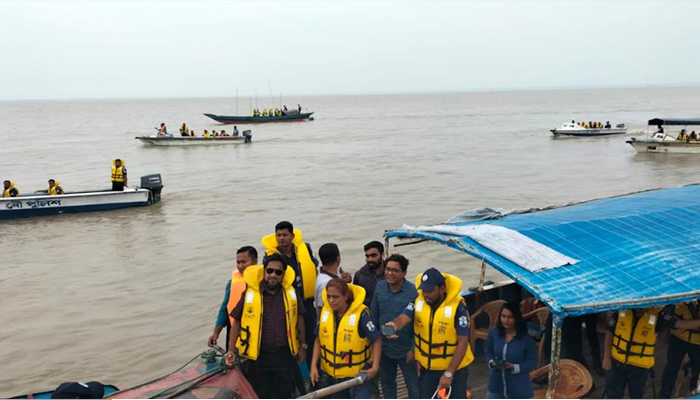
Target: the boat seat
(490, 310)
(574, 381)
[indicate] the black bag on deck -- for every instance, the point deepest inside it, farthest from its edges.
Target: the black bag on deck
(79, 390)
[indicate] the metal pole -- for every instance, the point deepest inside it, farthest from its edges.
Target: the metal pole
(482, 278)
(555, 356)
(386, 247)
(338, 387)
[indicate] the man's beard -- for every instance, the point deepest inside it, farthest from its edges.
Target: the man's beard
(372, 265)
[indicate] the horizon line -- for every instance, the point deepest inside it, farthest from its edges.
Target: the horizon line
(410, 92)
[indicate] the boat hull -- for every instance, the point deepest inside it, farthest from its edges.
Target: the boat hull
(47, 395)
(675, 147)
(588, 132)
(232, 119)
(192, 141)
(42, 205)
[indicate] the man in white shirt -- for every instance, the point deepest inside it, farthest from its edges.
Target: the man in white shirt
(330, 268)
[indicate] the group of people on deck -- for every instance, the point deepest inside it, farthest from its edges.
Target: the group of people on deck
(185, 131)
(683, 136)
(592, 124)
(287, 311)
(273, 113)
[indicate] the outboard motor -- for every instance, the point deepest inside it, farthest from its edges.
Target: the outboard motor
(154, 183)
(248, 136)
(621, 126)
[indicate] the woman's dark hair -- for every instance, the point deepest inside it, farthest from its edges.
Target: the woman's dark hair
(520, 325)
(342, 287)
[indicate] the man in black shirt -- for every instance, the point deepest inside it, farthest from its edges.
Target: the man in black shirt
(373, 271)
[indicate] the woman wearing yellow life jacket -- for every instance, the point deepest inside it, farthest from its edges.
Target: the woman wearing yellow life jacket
(348, 342)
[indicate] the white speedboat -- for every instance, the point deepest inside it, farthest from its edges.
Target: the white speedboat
(661, 142)
(572, 129)
(246, 137)
(34, 205)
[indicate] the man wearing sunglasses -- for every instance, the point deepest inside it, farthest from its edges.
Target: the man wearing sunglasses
(268, 330)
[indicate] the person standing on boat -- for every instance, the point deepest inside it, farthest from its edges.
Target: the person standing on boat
(348, 342)
(162, 131)
(54, 188)
(235, 130)
(441, 331)
(685, 339)
(288, 243)
(267, 329)
(9, 189)
(373, 271)
(629, 349)
(391, 297)
(330, 268)
(511, 354)
(245, 257)
(119, 178)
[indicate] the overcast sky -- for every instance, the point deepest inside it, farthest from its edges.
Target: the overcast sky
(124, 49)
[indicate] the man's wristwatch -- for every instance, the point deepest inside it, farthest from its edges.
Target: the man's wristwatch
(448, 375)
(304, 346)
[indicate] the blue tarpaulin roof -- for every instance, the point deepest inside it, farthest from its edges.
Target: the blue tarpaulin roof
(635, 251)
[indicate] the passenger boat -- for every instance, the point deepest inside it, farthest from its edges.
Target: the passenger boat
(572, 129)
(35, 205)
(661, 142)
(593, 257)
(246, 137)
(290, 116)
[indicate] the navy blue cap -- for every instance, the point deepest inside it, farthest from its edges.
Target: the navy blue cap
(431, 278)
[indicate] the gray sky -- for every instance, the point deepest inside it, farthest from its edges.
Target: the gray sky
(71, 49)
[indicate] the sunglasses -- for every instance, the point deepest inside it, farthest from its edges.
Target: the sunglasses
(277, 272)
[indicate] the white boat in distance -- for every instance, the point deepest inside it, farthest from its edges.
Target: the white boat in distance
(246, 137)
(572, 129)
(661, 142)
(35, 205)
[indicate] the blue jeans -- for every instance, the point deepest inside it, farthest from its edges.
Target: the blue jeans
(363, 391)
(387, 374)
(492, 395)
(429, 381)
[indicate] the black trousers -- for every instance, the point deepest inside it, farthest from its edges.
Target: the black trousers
(677, 349)
(572, 340)
(271, 375)
(118, 186)
(310, 323)
(428, 382)
(623, 375)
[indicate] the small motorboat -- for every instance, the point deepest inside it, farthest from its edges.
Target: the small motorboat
(35, 205)
(661, 142)
(573, 129)
(245, 137)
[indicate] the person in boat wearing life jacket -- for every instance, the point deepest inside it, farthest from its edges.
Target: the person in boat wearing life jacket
(205, 134)
(193, 134)
(119, 178)
(684, 339)
(267, 329)
(288, 243)
(347, 343)
(681, 136)
(184, 131)
(629, 348)
(441, 334)
(9, 189)
(54, 188)
(162, 131)
(245, 257)
(264, 113)
(693, 136)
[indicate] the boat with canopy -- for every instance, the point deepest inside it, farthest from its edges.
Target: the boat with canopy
(661, 142)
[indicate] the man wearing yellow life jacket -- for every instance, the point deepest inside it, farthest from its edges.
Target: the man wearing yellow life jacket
(288, 243)
(266, 329)
(348, 342)
(54, 188)
(9, 189)
(119, 178)
(629, 349)
(441, 334)
(245, 257)
(264, 114)
(685, 339)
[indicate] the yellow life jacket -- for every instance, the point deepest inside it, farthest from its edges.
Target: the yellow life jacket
(52, 190)
(634, 344)
(238, 286)
(206, 134)
(306, 264)
(6, 192)
(435, 335)
(343, 352)
(250, 336)
(118, 173)
(264, 112)
(683, 313)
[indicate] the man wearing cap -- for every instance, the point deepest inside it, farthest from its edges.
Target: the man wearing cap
(441, 334)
